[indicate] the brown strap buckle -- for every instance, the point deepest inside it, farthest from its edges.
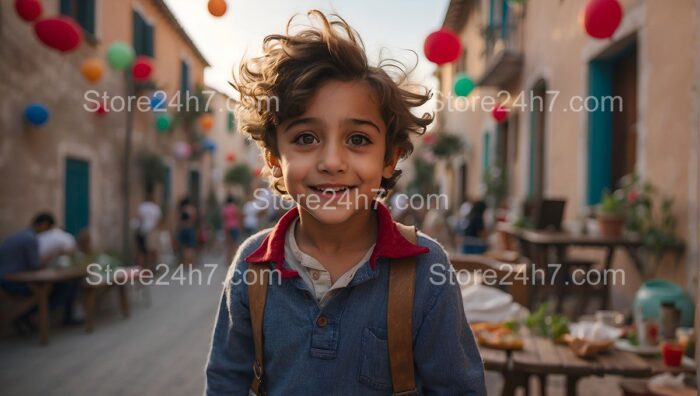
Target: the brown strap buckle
(412, 392)
(258, 370)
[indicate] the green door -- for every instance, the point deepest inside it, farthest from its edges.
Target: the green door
(194, 187)
(77, 195)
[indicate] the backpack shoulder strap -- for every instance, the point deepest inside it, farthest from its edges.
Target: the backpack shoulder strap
(257, 281)
(402, 276)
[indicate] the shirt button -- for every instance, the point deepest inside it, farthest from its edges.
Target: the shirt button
(322, 321)
(315, 275)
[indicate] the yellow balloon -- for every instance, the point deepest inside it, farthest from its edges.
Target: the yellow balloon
(92, 69)
(217, 7)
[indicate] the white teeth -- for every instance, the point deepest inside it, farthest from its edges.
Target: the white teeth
(331, 190)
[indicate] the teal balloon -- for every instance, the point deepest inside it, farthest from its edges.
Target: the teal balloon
(464, 85)
(120, 55)
(164, 122)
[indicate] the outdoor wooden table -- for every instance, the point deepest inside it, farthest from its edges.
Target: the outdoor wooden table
(40, 282)
(538, 244)
(541, 357)
(123, 278)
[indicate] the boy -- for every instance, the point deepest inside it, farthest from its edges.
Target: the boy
(335, 138)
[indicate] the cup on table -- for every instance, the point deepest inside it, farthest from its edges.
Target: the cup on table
(672, 353)
(610, 318)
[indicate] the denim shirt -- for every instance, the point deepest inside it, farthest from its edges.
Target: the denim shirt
(345, 354)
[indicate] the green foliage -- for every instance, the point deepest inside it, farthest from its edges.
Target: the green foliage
(495, 182)
(152, 169)
(423, 178)
(545, 325)
(213, 210)
(446, 145)
(612, 204)
(239, 174)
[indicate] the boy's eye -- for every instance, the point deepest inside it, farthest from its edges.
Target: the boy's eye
(359, 140)
(305, 138)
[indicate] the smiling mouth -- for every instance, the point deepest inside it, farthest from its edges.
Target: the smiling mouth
(332, 189)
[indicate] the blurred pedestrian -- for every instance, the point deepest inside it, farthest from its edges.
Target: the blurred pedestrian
(186, 233)
(149, 214)
(230, 215)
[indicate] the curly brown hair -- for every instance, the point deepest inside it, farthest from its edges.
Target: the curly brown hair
(294, 66)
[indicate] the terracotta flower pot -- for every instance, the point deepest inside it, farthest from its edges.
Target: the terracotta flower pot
(610, 224)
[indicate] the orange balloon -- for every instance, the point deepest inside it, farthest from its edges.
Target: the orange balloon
(217, 7)
(206, 122)
(92, 69)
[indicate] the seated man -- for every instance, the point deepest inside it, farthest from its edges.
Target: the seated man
(20, 252)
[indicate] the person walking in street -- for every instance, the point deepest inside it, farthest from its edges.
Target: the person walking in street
(231, 215)
(186, 233)
(147, 233)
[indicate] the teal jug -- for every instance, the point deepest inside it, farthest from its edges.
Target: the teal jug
(652, 293)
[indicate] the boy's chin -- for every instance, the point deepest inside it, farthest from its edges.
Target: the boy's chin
(333, 216)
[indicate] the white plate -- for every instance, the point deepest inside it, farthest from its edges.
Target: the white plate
(625, 345)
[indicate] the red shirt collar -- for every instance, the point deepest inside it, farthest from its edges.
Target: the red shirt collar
(390, 243)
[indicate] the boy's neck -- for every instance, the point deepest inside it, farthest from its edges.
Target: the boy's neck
(358, 233)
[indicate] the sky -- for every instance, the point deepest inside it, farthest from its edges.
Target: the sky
(391, 27)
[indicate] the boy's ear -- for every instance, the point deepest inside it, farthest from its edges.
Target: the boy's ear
(390, 166)
(271, 160)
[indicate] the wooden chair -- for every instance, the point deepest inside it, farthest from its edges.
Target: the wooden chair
(508, 276)
(12, 307)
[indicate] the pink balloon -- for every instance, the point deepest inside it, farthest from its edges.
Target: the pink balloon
(60, 33)
(601, 18)
(442, 46)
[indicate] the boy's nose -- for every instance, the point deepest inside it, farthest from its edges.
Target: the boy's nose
(332, 159)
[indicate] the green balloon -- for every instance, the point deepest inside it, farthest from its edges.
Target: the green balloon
(464, 85)
(163, 122)
(120, 55)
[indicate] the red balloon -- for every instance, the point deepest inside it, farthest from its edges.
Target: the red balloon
(230, 157)
(601, 18)
(101, 110)
(442, 46)
(500, 113)
(142, 68)
(29, 10)
(60, 33)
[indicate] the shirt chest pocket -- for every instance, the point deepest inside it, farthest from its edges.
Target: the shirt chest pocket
(374, 360)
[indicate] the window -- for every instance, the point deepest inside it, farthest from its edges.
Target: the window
(184, 77)
(143, 36)
(83, 11)
(231, 122)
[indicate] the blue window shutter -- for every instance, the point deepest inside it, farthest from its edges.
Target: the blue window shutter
(138, 33)
(504, 19)
(86, 15)
(184, 76)
(531, 157)
(599, 133)
(67, 7)
(166, 187)
(77, 196)
(148, 40)
(231, 121)
(487, 150)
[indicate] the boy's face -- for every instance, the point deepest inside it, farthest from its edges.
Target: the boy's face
(332, 156)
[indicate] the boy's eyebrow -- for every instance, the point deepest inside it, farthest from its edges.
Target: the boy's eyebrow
(313, 120)
(361, 121)
(303, 120)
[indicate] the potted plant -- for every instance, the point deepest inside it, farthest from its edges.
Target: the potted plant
(611, 215)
